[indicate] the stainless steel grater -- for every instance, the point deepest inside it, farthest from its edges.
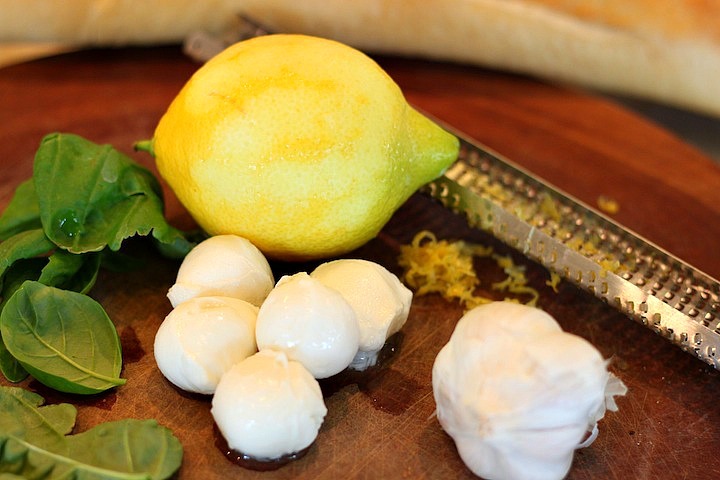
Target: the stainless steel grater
(585, 247)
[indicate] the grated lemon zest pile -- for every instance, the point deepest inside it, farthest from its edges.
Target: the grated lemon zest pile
(444, 267)
(438, 266)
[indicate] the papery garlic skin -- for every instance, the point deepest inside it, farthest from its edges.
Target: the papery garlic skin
(380, 301)
(313, 324)
(268, 406)
(517, 394)
(203, 338)
(223, 265)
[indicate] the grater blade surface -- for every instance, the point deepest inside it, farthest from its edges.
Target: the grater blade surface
(585, 247)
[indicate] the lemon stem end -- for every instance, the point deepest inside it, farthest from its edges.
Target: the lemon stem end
(144, 146)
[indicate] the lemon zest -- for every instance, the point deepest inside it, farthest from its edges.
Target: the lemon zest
(554, 281)
(549, 208)
(608, 205)
(447, 268)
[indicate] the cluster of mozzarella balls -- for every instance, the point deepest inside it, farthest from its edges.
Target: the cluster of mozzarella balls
(259, 347)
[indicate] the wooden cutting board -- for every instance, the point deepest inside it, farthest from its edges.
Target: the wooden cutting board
(382, 425)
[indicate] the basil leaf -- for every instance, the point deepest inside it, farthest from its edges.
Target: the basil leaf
(64, 339)
(112, 199)
(70, 271)
(121, 262)
(64, 269)
(9, 366)
(28, 244)
(24, 417)
(173, 244)
(61, 269)
(17, 273)
(26, 269)
(35, 444)
(22, 213)
(130, 446)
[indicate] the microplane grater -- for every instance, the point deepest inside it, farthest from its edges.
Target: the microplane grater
(585, 247)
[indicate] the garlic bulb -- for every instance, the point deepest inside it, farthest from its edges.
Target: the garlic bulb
(517, 394)
(223, 265)
(380, 301)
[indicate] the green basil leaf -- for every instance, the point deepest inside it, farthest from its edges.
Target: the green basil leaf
(22, 213)
(23, 245)
(9, 366)
(25, 416)
(62, 269)
(121, 261)
(172, 243)
(70, 271)
(64, 339)
(24, 460)
(130, 446)
(35, 444)
(15, 276)
(111, 200)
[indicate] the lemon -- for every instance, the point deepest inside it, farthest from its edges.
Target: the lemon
(302, 145)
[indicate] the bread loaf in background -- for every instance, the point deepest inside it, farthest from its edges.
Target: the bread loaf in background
(662, 50)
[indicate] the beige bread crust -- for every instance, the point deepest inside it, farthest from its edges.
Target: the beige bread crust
(664, 50)
(696, 20)
(562, 40)
(112, 22)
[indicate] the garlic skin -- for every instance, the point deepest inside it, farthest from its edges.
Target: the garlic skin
(380, 301)
(223, 265)
(313, 324)
(268, 406)
(517, 394)
(202, 338)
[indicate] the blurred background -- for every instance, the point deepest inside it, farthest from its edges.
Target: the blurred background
(643, 52)
(700, 131)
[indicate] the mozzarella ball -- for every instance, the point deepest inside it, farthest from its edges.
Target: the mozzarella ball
(313, 324)
(380, 301)
(517, 394)
(223, 265)
(202, 338)
(267, 406)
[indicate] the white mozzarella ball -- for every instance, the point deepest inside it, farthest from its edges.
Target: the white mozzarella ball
(311, 323)
(267, 406)
(202, 338)
(223, 265)
(381, 302)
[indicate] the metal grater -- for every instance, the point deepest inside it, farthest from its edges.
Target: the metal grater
(585, 247)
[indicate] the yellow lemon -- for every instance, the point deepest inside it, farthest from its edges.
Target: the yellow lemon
(302, 145)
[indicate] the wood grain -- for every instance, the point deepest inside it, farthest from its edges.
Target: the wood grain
(382, 425)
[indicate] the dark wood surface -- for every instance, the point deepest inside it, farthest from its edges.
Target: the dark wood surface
(382, 425)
